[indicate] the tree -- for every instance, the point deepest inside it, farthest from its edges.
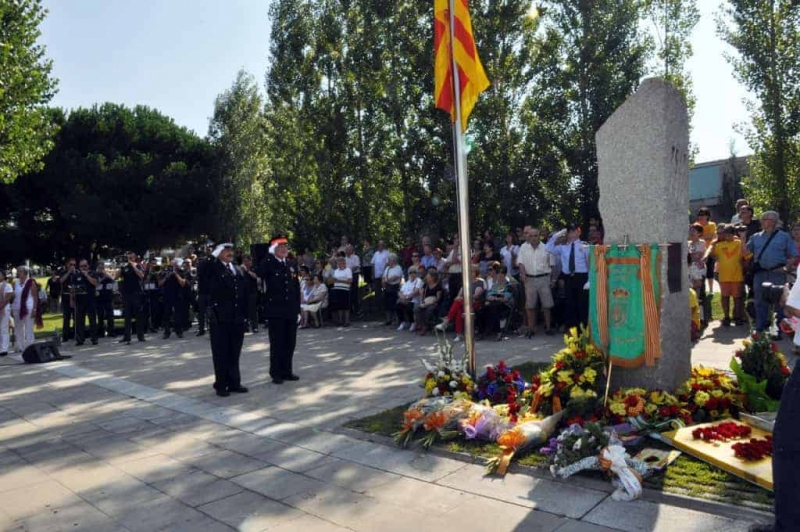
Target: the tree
(603, 54)
(238, 134)
(25, 88)
(117, 178)
(765, 35)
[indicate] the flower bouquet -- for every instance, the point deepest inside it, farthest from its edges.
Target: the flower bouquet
(448, 375)
(646, 411)
(762, 373)
(521, 437)
(574, 375)
(484, 423)
(592, 447)
(708, 395)
(501, 385)
(437, 420)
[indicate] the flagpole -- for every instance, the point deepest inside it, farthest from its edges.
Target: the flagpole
(462, 187)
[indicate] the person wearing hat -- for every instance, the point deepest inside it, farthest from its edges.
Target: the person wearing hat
(130, 278)
(203, 270)
(227, 313)
(152, 292)
(282, 308)
(575, 272)
(172, 282)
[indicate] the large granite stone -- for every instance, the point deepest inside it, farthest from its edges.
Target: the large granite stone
(642, 155)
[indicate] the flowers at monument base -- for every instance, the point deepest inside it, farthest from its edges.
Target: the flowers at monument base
(762, 372)
(522, 436)
(722, 432)
(575, 374)
(708, 395)
(430, 420)
(447, 376)
(485, 423)
(753, 450)
(501, 385)
(655, 407)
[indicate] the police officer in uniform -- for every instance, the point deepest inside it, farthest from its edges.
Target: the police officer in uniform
(252, 293)
(153, 294)
(227, 312)
(85, 284)
(282, 307)
(105, 302)
(67, 308)
(204, 268)
(172, 283)
(133, 303)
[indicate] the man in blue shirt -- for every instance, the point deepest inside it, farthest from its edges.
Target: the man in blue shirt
(575, 272)
(772, 250)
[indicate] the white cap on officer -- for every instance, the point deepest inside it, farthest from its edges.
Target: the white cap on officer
(219, 248)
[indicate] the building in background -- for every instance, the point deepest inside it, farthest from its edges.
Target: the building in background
(717, 185)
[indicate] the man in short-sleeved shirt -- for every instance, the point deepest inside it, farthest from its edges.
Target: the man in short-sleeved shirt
(772, 251)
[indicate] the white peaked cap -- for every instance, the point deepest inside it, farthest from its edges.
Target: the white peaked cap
(219, 248)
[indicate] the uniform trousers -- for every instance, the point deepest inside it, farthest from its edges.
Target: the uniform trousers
(133, 305)
(66, 324)
(85, 307)
(252, 311)
(786, 457)
(202, 306)
(226, 348)
(176, 312)
(105, 317)
(282, 341)
(576, 308)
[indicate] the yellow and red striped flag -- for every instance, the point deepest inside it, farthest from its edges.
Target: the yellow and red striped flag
(472, 78)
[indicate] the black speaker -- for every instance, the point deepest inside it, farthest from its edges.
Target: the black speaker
(41, 352)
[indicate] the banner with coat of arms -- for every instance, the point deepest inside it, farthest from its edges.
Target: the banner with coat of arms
(624, 309)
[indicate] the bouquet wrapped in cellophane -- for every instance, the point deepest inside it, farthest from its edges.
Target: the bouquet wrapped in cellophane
(522, 436)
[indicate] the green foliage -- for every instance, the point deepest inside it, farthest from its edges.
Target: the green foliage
(25, 87)
(762, 359)
(754, 390)
(765, 36)
(117, 178)
(238, 135)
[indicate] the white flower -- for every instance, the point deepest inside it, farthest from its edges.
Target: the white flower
(453, 384)
(435, 391)
(577, 446)
(440, 374)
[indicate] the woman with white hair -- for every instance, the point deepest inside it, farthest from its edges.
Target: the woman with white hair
(26, 301)
(392, 279)
(6, 292)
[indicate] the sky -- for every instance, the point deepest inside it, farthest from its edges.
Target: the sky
(178, 55)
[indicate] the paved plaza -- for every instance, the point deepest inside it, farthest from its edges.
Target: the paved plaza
(133, 438)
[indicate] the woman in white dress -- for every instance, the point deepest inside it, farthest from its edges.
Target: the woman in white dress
(26, 302)
(6, 293)
(316, 300)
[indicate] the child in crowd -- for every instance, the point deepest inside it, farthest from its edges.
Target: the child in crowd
(729, 254)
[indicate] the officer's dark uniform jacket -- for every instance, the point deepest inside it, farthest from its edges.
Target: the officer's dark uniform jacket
(131, 284)
(282, 297)
(228, 294)
(204, 268)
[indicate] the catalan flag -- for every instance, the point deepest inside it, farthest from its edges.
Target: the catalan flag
(472, 78)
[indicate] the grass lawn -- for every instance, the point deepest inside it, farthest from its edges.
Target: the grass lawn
(686, 476)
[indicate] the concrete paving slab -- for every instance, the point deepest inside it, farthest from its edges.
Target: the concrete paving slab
(294, 458)
(226, 464)
(352, 476)
(582, 526)
(154, 468)
(251, 512)
(80, 516)
(523, 490)
(412, 493)
(157, 514)
(115, 498)
(277, 483)
(489, 514)
(88, 476)
(307, 523)
(249, 444)
(643, 516)
(22, 502)
(197, 488)
(21, 477)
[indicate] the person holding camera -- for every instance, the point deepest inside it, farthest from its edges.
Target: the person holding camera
(67, 303)
(133, 303)
(772, 251)
(105, 301)
(85, 284)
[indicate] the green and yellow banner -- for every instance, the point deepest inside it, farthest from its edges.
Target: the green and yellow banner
(624, 303)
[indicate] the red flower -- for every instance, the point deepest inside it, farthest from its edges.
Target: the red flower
(536, 380)
(664, 411)
(501, 364)
(631, 401)
(575, 420)
(774, 347)
(580, 355)
(712, 404)
(560, 365)
(508, 379)
(561, 385)
(739, 353)
(515, 374)
(785, 370)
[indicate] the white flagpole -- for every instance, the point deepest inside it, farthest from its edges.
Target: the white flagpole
(462, 186)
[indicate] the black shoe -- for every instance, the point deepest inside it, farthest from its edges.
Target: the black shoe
(165, 336)
(223, 393)
(726, 322)
(291, 377)
(77, 344)
(277, 380)
(125, 341)
(239, 389)
(530, 334)
(549, 332)
(140, 339)
(94, 342)
(739, 323)
(4, 354)
(179, 335)
(200, 333)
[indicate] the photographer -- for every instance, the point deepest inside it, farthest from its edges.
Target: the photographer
(105, 300)
(84, 283)
(772, 251)
(67, 304)
(131, 276)
(172, 282)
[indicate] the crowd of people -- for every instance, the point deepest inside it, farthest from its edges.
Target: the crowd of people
(528, 277)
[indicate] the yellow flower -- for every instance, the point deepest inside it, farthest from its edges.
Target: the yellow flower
(589, 375)
(447, 378)
(576, 393)
(701, 398)
(546, 389)
(717, 393)
(430, 385)
(656, 398)
(651, 408)
(590, 394)
(565, 376)
(618, 409)
(746, 343)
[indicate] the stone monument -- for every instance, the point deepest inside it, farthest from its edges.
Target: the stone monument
(642, 155)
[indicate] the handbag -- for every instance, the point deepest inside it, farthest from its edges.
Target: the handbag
(756, 266)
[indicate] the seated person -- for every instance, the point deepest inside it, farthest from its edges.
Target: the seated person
(316, 300)
(408, 299)
(498, 297)
(431, 294)
(456, 313)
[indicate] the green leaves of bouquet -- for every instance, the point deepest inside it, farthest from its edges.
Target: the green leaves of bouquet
(762, 373)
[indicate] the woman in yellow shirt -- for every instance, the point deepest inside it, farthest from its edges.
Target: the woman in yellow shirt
(709, 234)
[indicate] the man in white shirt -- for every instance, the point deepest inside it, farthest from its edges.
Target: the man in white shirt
(354, 264)
(379, 261)
(535, 272)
